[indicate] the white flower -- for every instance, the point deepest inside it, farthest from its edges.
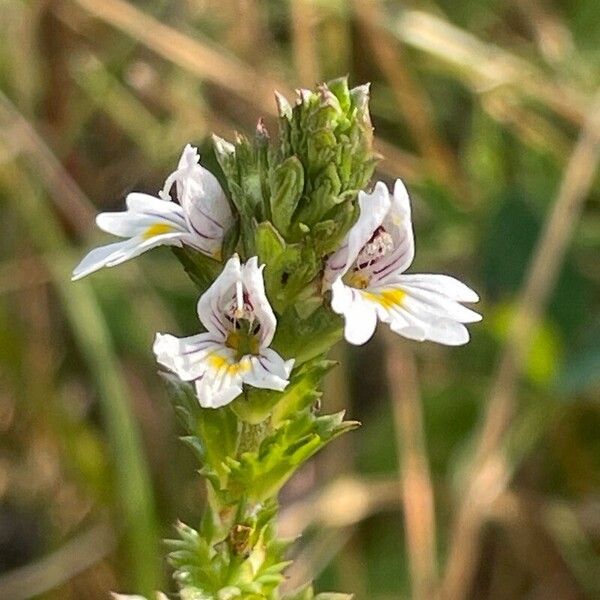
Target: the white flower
(235, 349)
(367, 279)
(200, 220)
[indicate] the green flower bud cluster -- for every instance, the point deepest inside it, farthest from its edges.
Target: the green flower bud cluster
(296, 198)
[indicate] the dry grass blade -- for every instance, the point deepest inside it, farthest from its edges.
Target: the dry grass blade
(59, 567)
(19, 274)
(415, 478)
(398, 163)
(72, 203)
(304, 20)
(410, 97)
(487, 66)
(346, 501)
(192, 54)
(197, 57)
(488, 472)
(88, 325)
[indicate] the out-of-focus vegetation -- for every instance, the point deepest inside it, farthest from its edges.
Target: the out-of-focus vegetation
(489, 111)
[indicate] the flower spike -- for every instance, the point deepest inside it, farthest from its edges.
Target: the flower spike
(200, 220)
(235, 349)
(368, 283)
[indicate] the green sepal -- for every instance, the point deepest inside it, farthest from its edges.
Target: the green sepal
(328, 234)
(289, 267)
(230, 241)
(287, 184)
(329, 132)
(245, 165)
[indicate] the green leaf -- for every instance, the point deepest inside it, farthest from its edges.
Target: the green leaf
(256, 405)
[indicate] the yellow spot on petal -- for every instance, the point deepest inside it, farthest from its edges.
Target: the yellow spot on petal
(391, 298)
(218, 362)
(157, 229)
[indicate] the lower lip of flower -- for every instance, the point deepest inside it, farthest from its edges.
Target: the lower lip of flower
(218, 362)
(391, 298)
(157, 229)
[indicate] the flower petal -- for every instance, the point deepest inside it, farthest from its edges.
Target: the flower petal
(148, 222)
(205, 206)
(212, 303)
(398, 224)
(187, 357)
(145, 203)
(434, 300)
(360, 315)
(150, 216)
(269, 371)
(208, 362)
(222, 380)
(441, 284)
(252, 277)
(373, 209)
(423, 311)
(119, 252)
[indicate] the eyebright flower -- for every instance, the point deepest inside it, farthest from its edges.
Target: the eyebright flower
(200, 220)
(235, 349)
(367, 279)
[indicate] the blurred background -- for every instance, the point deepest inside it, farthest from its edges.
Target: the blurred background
(477, 469)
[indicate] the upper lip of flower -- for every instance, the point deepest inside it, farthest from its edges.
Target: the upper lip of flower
(367, 278)
(238, 294)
